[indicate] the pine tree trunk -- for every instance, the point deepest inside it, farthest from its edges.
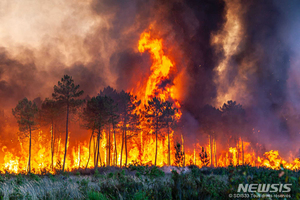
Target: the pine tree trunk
(211, 153)
(155, 146)
(215, 152)
(183, 150)
(122, 149)
(115, 143)
(243, 158)
(67, 134)
(169, 155)
(238, 152)
(79, 157)
(52, 144)
(89, 150)
(125, 138)
(108, 146)
(98, 149)
(29, 158)
(95, 150)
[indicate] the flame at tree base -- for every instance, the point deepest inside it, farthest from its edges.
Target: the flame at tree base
(141, 151)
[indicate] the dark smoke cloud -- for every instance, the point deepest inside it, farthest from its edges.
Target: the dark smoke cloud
(127, 20)
(17, 79)
(21, 79)
(193, 23)
(90, 77)
(266, 78)
(130, 67)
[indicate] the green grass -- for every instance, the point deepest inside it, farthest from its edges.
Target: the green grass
(143, 183)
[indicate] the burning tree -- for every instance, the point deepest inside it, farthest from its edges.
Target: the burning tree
(179, 155)
(66, 93)
(96, 116)
(128, 105)
(25, 112)
(210, 119)
(159, 114)
(49, 115)
(169, 115)
(113, 118)
(234, 119)
(204, 157)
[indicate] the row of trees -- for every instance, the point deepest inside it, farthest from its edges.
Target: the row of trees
(227, 123)
(29, 116)
(122, 111)
(110, 110)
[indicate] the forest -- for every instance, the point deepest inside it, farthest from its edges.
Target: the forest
(120, 115)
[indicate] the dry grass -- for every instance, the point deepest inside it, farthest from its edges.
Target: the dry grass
(45, 188)
(57, 187)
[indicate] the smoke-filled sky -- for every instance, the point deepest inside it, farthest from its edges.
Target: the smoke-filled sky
(247, 51)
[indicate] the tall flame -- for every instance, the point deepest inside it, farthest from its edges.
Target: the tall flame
(160, 68)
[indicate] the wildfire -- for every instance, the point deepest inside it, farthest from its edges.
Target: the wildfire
(141, 148)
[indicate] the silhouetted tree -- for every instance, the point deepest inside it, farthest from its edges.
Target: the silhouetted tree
(210, 120)
(50, 113)
(96, 116)
(169, 117)
(25, 112)
(88, 117)
(203, 157)
(66, 93)
(154, 114)
(112, 109)
(127, 108)
(234, 119)
(179, 155)
(113, 118)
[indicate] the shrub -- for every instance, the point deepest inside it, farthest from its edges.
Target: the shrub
(155, 172)
(140, 195)
(96, 196)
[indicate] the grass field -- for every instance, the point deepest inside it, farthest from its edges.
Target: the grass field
(143, 182)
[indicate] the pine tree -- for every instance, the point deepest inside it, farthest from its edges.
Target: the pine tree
(127, 109)
(113, 118)
(96, 116)
(169, 119)
(50, 113)
(66, 93)
(154, 111)
(179, 155)
(26, 112)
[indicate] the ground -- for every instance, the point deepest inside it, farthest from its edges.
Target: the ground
(143, 182)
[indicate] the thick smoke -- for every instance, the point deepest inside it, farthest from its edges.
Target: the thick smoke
(262, 65)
